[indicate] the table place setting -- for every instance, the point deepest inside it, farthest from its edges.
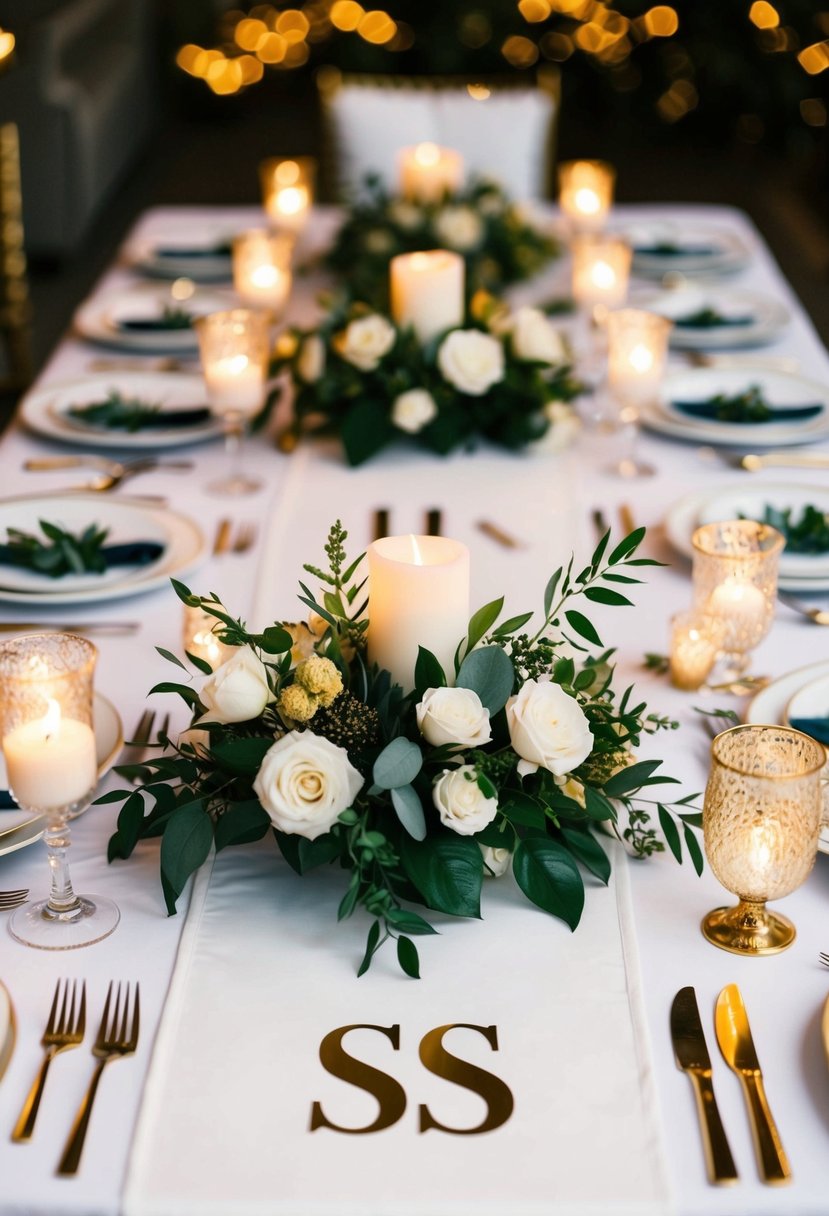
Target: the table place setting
(150, 322)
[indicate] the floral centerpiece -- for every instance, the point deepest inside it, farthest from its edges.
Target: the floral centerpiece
(505, 376)
(497, 240)
(519, 757)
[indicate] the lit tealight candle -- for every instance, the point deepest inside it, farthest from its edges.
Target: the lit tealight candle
(234, 383)
(601, 270)
(427, 291)
(586, 193)
(288, 191)
(742, 608)
(428, 172)
(637, 354)
(51, 761)
(234, 348)
(261, 269)
(695, 644)
(419, 597)
(199, 638)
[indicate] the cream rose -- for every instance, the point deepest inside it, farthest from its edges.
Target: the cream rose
(535, 337)
(405, 215)
(496, 861)
(459, 228)
(462, 804)
(305, 782)
(471, 360)
(548, 728)
(413, 410)
(379, 240)
(365, 341)
(238, 690)
(311, 361)
(453, 715)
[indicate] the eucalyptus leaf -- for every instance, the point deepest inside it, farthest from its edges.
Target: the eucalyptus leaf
(398, 764)
(409, 810)
(490, 674)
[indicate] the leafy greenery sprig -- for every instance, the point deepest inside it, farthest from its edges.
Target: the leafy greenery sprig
(117, 412)
(61, 553)
(808, 534)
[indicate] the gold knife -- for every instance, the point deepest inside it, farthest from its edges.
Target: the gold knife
(112, 629)
(753, 462)
(693, 1059)
(737, 1047)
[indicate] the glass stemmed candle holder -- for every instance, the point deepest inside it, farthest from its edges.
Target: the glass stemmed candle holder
(48, 744)
(696, 642)
(235, 350)
(262, 269)
(600, 277)
(761, 822)
(585, 193)
(637, 355)
(735, 581)
(288, 191)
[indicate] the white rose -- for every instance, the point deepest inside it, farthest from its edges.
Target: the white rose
(535, 337)
(305, 782)
(311, 361)
(405, 215)
(565, 425)
(453, 715)
(238, 690)
(462, 804)
(548, 728)
(459, 228)
(496, 861)
(364, 342)
(472, 361)
(413, 410)
(491, 203)
(379, 240)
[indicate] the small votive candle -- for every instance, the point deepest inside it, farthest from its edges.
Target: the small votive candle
(51, 761)
(696, 641)
(427, 291)
(585, 193)
(601, 271)
(199, 638)
(427, 172)
(637, 354)
(288, 191)
(234, 349)
(262, 269)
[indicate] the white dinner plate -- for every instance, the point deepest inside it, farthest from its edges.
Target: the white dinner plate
(127, 520)
(725, 502)
(810, 701)
(696, 249)
(101, 320)
(180, 251)
(44, 410)
(768, 707)
(19, 828)
(781, 390)
(764, 316)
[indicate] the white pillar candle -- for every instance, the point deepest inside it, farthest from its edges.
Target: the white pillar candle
(427, 291)
(696, 642)
(418, 596)
(51, 761)
(427, 172)
(261, 269)
(586, 193)
(234, 383)
(287, 191)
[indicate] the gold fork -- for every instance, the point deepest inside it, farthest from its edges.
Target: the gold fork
(63, 1031)
(12, 899)
(245, 538)
(117, 1036)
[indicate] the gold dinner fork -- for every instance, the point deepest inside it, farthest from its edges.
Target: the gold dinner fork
(117, 1036)
(64, 1030)
(12, 899)
(226, 542)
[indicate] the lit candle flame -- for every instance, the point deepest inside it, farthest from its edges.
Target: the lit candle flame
(641, 358)
(587, 201)
(603, 275)
(291, 200)
(287, 173)
(264, 276)
(417, 556)
(236, 364)
(427, 154)
(51, 719)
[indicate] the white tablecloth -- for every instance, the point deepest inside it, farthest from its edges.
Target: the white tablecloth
(546, 502)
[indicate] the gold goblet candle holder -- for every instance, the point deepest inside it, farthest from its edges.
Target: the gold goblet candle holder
(48, 745)
(288, 191)
(585, 193)
(735, 580)
(262, 269)
(696, 642)
(637, 355)
(761, 821)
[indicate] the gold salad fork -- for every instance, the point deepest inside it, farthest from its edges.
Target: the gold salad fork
(64, 1030)
(13, 899)
(227, 542)
(117, 1036)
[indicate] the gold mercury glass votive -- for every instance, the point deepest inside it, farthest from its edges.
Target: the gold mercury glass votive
(735, 579)
(601, 272)
(262, 269)
(288, 191)
(637, 355)
(199, 638)
(585, 193)
(761, 822)
(696, 641)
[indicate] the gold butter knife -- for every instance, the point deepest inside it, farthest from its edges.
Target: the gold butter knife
(112, 629)
(692, 1057)
(737, 1047)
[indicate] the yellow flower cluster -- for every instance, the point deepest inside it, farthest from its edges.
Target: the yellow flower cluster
(318, 684)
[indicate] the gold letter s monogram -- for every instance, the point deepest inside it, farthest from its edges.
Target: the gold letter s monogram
(497, 1095)
(391, 1097)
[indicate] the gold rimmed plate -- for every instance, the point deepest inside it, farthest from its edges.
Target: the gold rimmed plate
(8, 1028)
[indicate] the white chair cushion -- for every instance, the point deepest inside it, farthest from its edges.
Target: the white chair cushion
(506, 136)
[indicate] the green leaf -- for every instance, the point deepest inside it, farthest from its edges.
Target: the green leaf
(627, 546)
(241, 756)
(514, 622)
(671, 833)
(412, 922)
(276, 640)
(603, 595)
(695, 819)
(521, 808)
(428, 672)
(188, 695)
(349, 901)
(598, 552)
(398, 764)
(200, 664)
(579, 622)
(184, 593)
(241, 822)
(597, 805)
(447, 871)
(130, 820)
(365, 429)
(170, 657)
(589, 852)
(482, 621)
(630, 778)
(303, 855)
(564, 671)
(490, 674)
(112, 796)
(409, 810)
(694, 851)
(549, 878)
(185, 844)
(407, 957)
(550, 590)
(372, 942)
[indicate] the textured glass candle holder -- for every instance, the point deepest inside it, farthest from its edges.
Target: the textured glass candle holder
(288, 191)
(696, 642)
(262, 269)
(235, 349)
(199, 638)
(735, 580)
(48, 744)
(637, 355)
(761, 821)
(585, 193)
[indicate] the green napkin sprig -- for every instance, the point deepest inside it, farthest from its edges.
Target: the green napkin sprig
(61, 553)
(808, 534)
(117, 412)
(171, 319)
(709, 318)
